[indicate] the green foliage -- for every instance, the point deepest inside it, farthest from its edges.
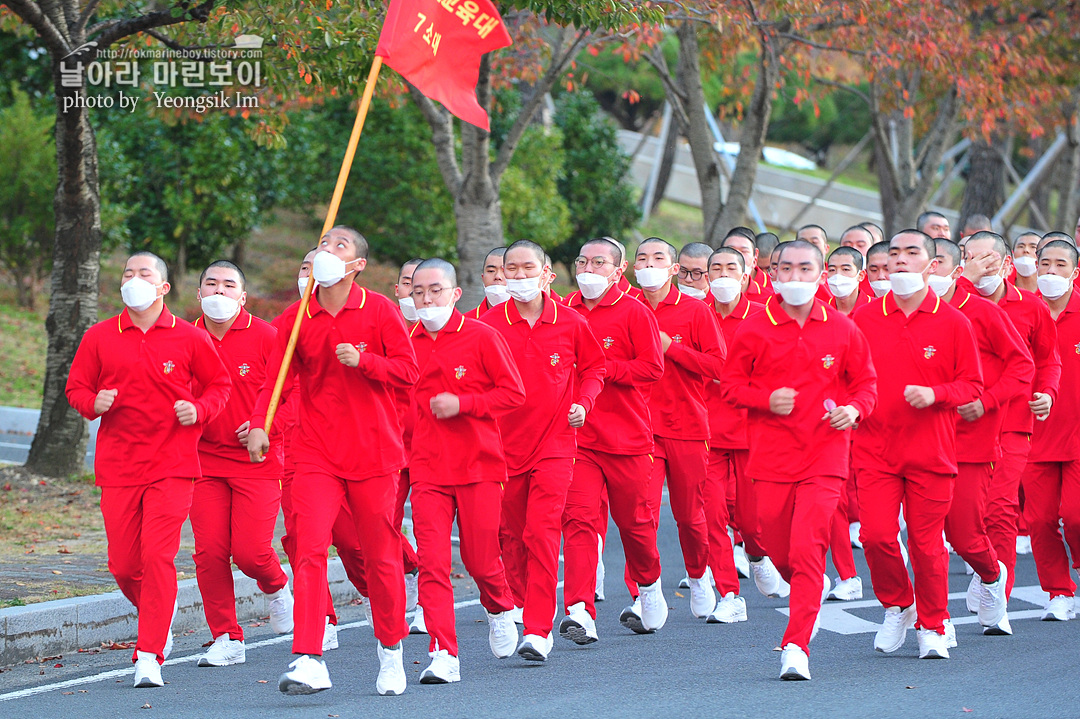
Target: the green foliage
(532, 208)
(840, 117)
(27, 188)
(595, 184)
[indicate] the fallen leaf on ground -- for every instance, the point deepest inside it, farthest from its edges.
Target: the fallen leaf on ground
(146, 706)
(262, 681)
(910, 687)
(965, 709)
(65, 693)
(57, 571)
(57, 666)
(84, 691)
(52, 658)
(458, 576)
(118, 645)
(63, 550)
(677, 594)
(255, 624)
(209, 643)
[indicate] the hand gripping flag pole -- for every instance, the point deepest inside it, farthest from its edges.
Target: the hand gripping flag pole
(438, 51)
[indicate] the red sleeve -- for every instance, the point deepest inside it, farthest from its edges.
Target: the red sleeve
(273, 366)
(648, 364)
(590, 367)
(860, 375)
(82, 382)
(735, 385)
(1017, 366)
(1046, 355)
(968, 385)
(209, 371)
(708, 361)
(507, 392)
(398, 368)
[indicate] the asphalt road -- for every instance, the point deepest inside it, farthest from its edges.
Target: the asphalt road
(688, 667)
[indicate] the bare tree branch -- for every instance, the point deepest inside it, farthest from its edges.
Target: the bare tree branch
(84, 16)
(31, 14)
(101, 26)
(841, 86)
(819, 46)
(163, 18)
(674, 93)
(442, 135)
(174, 45)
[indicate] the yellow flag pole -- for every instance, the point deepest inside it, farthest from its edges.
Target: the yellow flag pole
(331, 217)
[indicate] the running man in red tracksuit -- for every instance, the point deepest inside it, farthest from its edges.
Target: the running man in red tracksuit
(802, 371)
(615, 447)
(1052, 478)
(1007, 370)
(467, 379)
(494, 283)
(905, 453)
(694, 354)
(563, 368)
(235, 504)
(729, 495)
(352, 352)
(139, 372)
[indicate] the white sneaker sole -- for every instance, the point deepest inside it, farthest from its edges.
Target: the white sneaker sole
(204, 662)
(793, 674)
(530, 653)
(578, 634)
(292, 687)
(432, 678)
(727, 620)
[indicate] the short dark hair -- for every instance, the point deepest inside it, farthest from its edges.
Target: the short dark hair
(668, 247)
(409, 263)
(824, 234)
(613, 248)
(976, 223)
(528, 245)
(855, 255)
(1000, 246)
(765, 242)
(879, 248)
(695, 250)
(159, 264)
(803, 244)
(1022, 235)
(437, 263)
(730, 251)
(949, 248)
(740, 230)
(927, 241)
(780, 247)
(359, 241)
(1070, 249)
(229, 266)
(857, 228)
(1059, 236)
(926, 217)
(495, 251)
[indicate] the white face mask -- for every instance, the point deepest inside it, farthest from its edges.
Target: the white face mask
(408, 308)
(1025, 266)
(220, 308)
(138, 294)
(1053, 286)
(725, 289)
(797, 293)
(692, 291)
(652, 278)
(328, 269)
(592, 285)
(905, 284)
(302, 283)
(989, 285)
(940, 285)
(435, 318)
(496, 294)
(842, 286)
(880, 287)
(777, 285)
(524, 290)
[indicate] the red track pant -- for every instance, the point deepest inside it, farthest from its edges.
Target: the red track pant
(627, 482)
(840, 537)
(965, 525)
(926, 497)
(851, 486)
(1052, 493)
(685, 463)
(142, 526)
(746, 515)
(532, 510)
(724, 465)
(477, 507)
(408, 554)
(1003, 517)
(233, 521)
(796, 518)
(317, 499)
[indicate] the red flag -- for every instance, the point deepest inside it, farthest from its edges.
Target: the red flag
(436, 45)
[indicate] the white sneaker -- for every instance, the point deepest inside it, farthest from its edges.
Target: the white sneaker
(365, 607)
(894, 628)
(518, 615)
(729, 610)
(968, 569)
(742, 564)
(932, 645)
(768, 579)
(950, 634)
(1023, 544)
(281, 606)
(444, 669)
(412, 591)
(702, 596)
(534, 648)
(169, 638)
(502, 634)
(1001, 629)
(308, 675)
(391, 681)
(329, 636)
(994, 600)
(654, 608)
(684, 583)
(1060, 609)
(974, 594)
(578, 626)
(600, 570)
(794, 664)
(846, 590)
(853, 534)
(224, 652)
(417, 625)
(147, 671)
(631, 618)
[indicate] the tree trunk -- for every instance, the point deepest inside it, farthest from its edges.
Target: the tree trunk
(1069, 197)
(60, 441)
(667, 162)
(985, 189)
(890, 209)
(240, 251)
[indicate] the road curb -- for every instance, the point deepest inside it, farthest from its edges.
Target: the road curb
(64, 626)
